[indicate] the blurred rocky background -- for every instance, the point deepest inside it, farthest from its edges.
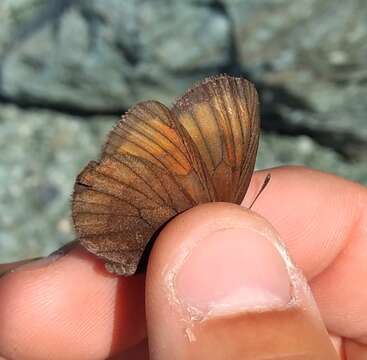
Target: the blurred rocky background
(69, 68)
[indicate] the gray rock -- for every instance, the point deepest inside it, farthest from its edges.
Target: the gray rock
(283, 150)
(67, 60)
(180, 38)
(317, 38)
(310, 59)
(101, 56)
(41, 152)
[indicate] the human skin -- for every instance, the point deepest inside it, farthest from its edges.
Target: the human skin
(69, 307)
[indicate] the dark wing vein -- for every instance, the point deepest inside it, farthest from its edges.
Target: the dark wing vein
(203, 138)
(106, 192)
(166, 170)
(119, 181)
(230, 137)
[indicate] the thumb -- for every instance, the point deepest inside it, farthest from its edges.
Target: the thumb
(221, 286)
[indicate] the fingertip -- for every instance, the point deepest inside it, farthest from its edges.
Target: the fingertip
(322, 220)
(69, 308)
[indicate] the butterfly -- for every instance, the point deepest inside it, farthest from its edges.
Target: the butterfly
(159, 161)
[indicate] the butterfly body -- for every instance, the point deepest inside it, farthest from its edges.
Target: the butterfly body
(159, 162)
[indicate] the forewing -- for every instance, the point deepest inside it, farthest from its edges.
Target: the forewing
(149, 131)
(221, 115)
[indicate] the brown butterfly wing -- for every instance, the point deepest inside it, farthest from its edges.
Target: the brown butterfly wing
(222, 117)
(149, 131)
(144, 178)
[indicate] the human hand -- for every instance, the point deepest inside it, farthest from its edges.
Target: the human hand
(210, 293)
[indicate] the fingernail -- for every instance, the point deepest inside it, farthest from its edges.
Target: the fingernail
(54, 256)
(35, 263)
(64, 249)
(232, 270)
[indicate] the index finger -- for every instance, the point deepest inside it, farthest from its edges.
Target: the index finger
(323, 221)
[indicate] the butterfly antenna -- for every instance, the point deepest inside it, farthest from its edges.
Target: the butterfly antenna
(263, 186)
